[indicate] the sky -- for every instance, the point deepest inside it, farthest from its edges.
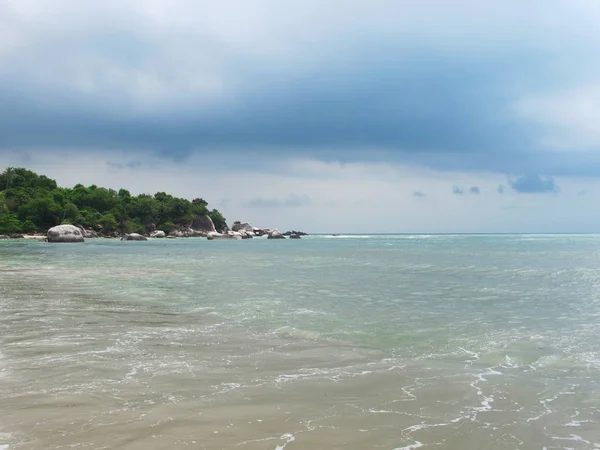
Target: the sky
(320, 115)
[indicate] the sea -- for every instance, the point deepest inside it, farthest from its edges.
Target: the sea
(328, 342)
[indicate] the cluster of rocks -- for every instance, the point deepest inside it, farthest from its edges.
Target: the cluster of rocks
(202, 226)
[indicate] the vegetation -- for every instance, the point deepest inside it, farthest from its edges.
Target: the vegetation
(30, 202)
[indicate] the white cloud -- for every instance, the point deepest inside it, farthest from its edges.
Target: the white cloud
(571, 117)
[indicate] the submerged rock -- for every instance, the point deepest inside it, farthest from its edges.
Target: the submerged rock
(65, 233)
(134, 237)
(158, 234)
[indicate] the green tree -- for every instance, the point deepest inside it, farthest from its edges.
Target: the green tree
(108, 222)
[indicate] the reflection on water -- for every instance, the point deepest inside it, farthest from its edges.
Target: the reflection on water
(392, 342)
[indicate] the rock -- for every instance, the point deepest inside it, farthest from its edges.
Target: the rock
(3, 236)
(158, 234)
(295, 236)
(88, 233)
(204, 223)
(258, 231)
(239, 226)
(65, 233)
(17, 236)
(213, 235)
(150, 228)
(187, 232)
(275, 234)
(299, 233)
(134, 237)
(246, 234)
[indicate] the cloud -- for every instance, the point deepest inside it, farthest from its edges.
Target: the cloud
(474, 190)
(533, 184)
(500, 189)
(457, 190)
(388, 81)
(291, 201)
(419, 194)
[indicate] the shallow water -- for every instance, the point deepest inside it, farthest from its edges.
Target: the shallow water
(378, 342)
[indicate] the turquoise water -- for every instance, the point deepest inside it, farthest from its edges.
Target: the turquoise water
(391, 342)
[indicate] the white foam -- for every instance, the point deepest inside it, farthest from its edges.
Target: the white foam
(288, 438)
(417, 444)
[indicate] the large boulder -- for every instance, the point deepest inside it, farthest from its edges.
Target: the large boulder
(158, 234)
(65, 233)
(241, 226)
(295, 236)
(204, 223)
(134, 237)
(275, 234)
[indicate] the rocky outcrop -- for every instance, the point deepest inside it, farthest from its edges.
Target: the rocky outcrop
(212, 236)
(295, 236)
(65, 233)
(204, 223)
(246, 234)
(275, 234)
(158, 234)
(187, 232)
(134, 237)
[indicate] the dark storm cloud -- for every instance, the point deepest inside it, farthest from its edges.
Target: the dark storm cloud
(446, 104)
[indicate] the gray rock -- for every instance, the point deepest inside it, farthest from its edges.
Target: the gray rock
(241, 226)
(275, 234)
(295, 236)
(2, 236)
(65, 233)
(187, 232)
(222, 236)
(158, 234)
(134, 237)
(204, 223)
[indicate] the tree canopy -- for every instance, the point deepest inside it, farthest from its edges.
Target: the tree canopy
(30, 202)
